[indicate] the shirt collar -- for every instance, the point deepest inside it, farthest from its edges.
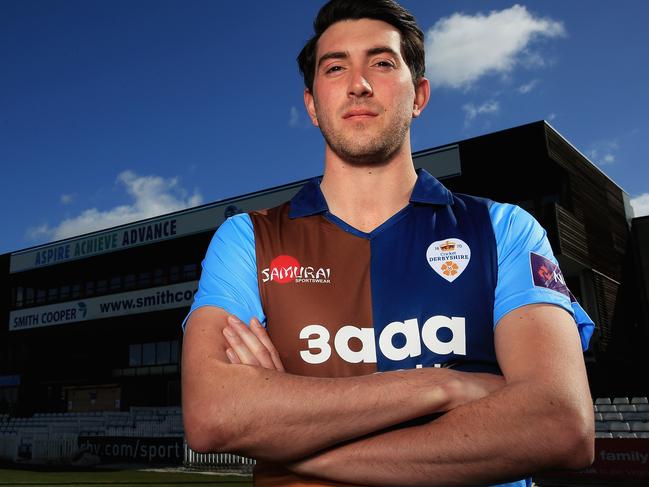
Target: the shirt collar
(430, 191)
(310, 200)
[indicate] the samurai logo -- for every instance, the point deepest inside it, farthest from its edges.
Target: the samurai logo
(285, 269)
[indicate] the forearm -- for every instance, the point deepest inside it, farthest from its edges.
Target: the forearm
(266, 414)
(520, 429)
(271, 415)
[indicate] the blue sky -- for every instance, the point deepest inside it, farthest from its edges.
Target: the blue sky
(113, 111)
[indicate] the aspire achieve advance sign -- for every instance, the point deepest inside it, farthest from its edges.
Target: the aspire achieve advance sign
(180, 224)
(95, 244)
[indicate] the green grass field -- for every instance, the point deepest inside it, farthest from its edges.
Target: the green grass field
(123, 478)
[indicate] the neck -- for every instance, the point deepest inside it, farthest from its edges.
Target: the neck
(365, 196)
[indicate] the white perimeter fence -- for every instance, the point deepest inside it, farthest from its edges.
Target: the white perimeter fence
(216, 461)
(61, 449)
(64, 449)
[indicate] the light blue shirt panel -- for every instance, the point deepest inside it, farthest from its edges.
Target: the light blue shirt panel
(520, 483)
(517, 234)
(584, 323)
(229, 276)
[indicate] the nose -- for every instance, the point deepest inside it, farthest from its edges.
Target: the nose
(359, 85)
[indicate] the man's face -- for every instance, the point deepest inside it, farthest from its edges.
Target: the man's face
(363, 96)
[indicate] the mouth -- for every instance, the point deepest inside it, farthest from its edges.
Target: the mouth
(359, 114)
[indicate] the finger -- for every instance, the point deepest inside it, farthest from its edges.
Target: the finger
(232, 356)
(262, 335)
(245, 355)
(253, 344)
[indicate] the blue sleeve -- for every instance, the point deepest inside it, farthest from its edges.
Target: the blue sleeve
(229, 275)
(528, 272)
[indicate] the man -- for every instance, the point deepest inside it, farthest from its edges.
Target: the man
(378, 268)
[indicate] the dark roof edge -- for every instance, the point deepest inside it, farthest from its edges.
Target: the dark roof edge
(549, 125)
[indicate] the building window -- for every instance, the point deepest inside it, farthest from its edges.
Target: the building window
(153, 353)
(174, 352)
(115, 283)
(102, 286)
(18, 297)
(65, 292)
(135, 355)
(163, 354)
(53, 295)
(129, 281)
(29, 296)
(76, 291)
(40, 296)
(144, 279)
(158, 277)
(148, 354)
(174, 273)
(90, 288)
(189, 272)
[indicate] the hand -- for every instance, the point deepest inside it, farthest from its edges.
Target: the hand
(251, 345)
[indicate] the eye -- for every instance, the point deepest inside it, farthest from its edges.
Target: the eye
(333, 69)
(384, 64)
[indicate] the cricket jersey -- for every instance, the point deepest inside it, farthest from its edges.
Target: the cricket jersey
(424, 289)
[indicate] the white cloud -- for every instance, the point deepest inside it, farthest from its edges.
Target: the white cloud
(527, 87)
(603, 152)
(151, 196)
(608, 159)
(462, 48)
(471, 111)
(66, 199)
(294, 117)
(640, 205)
(297, 118)
(36, 233)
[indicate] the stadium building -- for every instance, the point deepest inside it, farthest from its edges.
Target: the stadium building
(93, 322)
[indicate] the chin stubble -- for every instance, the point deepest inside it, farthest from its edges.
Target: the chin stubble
(376, 151)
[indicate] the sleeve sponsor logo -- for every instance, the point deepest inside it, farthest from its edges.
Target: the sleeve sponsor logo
(448, 257)
(547, 274)
(285, 269)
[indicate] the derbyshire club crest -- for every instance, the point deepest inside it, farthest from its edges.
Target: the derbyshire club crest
(448, 257)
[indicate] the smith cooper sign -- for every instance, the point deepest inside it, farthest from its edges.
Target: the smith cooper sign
(153, 299)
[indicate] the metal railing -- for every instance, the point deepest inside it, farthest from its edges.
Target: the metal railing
(217, 461)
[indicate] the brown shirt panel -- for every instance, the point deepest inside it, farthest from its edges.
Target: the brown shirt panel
(311, 274)
(327, 274)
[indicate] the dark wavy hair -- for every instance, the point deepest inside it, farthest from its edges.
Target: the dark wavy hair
(412, 38)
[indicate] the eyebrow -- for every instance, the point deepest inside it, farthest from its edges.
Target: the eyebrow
(382, 50)
(331, 55)
(370, 52)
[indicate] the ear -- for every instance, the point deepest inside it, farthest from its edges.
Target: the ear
(422, 95)
(309, 103)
